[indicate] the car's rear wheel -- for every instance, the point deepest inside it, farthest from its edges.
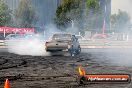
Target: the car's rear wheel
(73, 53)
(79, 50)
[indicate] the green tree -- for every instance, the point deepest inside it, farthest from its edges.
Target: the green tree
(25, 14)
(5, 14)
(93, 17)
(69, 10)
(120, 22)
(93, 5)
(80, 11)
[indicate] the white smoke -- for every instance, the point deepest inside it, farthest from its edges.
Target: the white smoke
(34, 47)
(51, 29)
(123, 5)
(119, 57)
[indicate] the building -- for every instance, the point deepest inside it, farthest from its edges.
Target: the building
(106, 10)
(45, 9)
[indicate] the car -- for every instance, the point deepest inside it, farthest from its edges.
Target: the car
(63, 43)
(13, 36)
(20, 37)
(15, 39)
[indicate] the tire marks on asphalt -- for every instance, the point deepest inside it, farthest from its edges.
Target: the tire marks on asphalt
(11, 63)
(3, 61)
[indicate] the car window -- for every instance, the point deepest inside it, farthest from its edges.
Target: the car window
(79, 37)
(61, 37)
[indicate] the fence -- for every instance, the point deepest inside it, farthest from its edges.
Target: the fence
(105, 44)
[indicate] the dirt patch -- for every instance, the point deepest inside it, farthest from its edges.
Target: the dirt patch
(54, 71)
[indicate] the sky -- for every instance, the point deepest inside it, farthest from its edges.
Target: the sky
(124, 5)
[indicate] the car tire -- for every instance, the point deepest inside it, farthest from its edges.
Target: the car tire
(73, 53)
(79, 50)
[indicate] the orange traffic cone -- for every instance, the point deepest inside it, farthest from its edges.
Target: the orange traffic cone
(7, 84)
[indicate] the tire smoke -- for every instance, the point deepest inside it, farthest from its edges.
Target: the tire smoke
(33, 47)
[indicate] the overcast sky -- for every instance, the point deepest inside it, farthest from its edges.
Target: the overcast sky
(125, 5)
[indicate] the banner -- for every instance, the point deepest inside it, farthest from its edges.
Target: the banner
(16, 30)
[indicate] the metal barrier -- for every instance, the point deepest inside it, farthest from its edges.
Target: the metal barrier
(94, 44)
(2, 44)
(105, 44)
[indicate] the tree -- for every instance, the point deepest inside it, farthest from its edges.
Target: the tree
(74, 10)
(120, 21)
(5, 14)
(69, 10)
(93, 5)
(25, 14)
(93, 17)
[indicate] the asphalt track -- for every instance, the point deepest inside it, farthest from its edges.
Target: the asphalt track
(62, 71)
